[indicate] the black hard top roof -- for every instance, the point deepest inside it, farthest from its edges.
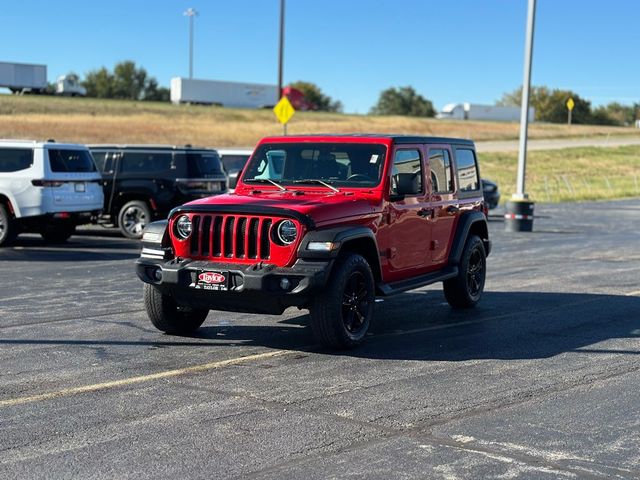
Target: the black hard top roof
(396, 138)
(111, 146)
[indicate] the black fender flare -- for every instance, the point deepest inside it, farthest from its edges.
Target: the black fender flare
(472, 220)
(343, 238)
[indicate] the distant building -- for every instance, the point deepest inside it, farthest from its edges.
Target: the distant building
(471, 111)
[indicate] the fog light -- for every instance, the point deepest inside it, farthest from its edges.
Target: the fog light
(157, 275)
(285, 284)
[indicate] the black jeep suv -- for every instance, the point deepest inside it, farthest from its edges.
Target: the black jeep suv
(144, 182)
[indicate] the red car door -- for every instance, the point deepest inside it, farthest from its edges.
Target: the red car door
(407, 233)
(443, 201)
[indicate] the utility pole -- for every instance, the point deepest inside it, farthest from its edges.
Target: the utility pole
(281, 50)
(190, 12)
(519, 216)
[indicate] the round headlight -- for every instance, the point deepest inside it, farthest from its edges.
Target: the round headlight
(183, 227)
(287, 232)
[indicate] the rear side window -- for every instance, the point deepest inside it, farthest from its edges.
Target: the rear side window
(440, 164)
(141, 162)
(233, 163)
(75, 161)
(15, 159)
(467, 170)
(201, 164)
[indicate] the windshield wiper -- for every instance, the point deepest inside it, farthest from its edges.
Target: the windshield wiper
(265, 180)
(319, 182)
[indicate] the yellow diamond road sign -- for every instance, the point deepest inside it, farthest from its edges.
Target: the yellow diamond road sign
(284, 110)
(570, 103)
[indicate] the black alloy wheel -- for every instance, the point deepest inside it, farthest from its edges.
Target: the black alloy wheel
(355, 303)
(465, 289)
(475, 273)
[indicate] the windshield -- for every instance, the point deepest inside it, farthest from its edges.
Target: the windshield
(71, 161)
(338, 164)
(202, 164)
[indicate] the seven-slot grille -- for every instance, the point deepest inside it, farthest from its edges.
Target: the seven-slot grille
(231, 236)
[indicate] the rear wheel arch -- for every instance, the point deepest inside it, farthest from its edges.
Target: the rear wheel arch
(472, 223)
(6, 201)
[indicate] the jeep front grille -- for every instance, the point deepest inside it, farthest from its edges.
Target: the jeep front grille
(231, 236)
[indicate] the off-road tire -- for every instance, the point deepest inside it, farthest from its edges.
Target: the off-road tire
(8, 230)
(169, 317)
(133, 216)
(57, 233)
(331, 310)
(465, 289)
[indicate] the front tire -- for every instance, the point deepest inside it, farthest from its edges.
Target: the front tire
(133, 217)
(169, 317)
(8, 229)
(341, 314)
(465, 290)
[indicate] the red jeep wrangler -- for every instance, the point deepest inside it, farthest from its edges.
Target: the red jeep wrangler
(325, 223)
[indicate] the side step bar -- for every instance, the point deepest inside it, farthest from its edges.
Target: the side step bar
(387, 289)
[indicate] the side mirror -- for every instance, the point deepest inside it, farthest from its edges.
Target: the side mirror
(406, 184)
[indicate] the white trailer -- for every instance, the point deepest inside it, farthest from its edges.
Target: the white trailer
(471, 111)
(228, 94)
(23, 77)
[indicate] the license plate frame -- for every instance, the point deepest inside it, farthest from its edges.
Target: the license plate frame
(210, 280)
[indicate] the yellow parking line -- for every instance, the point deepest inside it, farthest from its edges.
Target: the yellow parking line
(143, 378)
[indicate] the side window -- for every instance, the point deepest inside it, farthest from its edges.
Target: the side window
(467, 170)
(440, 164)
(407, 162)
(15, 159)
(99, 158)
(142, 162)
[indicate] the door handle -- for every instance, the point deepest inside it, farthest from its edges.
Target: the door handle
(425, 212)
(452, 209)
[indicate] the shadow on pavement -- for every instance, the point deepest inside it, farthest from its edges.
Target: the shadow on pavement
(421, 326)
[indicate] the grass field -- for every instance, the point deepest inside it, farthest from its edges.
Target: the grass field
(117, 121)
(571, 174)
(555, 175)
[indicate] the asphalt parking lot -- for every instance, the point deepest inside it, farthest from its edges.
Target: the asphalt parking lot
(540, 381)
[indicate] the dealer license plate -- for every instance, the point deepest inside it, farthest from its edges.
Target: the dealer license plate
(211, 280)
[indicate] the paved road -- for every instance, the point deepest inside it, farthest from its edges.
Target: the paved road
(555, 144)
(540, 381)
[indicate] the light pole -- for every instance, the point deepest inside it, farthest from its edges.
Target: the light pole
(190, 12)
(519, 216)
(281, 49)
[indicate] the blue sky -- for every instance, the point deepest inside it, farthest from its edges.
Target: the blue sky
(449, 51)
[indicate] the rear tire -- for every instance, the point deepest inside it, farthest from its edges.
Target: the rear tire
(133, 217)
(465, 290)
(8, 228)
(341, 314)
(57, 233)
(169, 317)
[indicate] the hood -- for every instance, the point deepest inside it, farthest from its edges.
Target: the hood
(321, 207)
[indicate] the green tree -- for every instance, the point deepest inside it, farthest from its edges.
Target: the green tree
(129, 81)
(551, 105)
(126, 82)
(99, 83)
(153, 92)
(314, 95)
(403, 101)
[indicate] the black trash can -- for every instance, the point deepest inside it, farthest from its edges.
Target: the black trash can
(519, 216)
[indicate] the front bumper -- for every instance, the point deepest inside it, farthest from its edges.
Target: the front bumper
(253, 288)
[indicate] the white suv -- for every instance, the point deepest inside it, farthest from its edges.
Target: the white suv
(46, 187)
